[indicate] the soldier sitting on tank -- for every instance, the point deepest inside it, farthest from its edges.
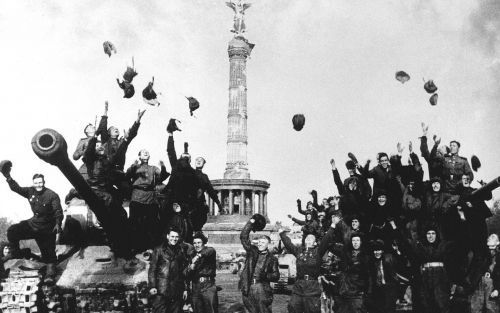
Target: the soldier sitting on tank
(200, 214)
(454, 167)
(143, 208)
(43, 226)
(115, 148)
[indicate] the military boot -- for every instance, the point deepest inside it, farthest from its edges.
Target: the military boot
(50, 273)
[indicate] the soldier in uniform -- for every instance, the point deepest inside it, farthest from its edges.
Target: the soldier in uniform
(143, 216)
(202, 271)
(261, 268)
(484, 278)
(454, 167)
(43, 226)
(167, 274)
(206, 186)
(307, 289)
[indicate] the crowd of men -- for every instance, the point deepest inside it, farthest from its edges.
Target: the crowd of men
(362, 249)
(359, 252)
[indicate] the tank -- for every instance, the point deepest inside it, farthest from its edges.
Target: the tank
(96, 271)
(51, 147)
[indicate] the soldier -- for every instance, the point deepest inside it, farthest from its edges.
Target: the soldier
(454, 167)
(202, 271)
(383, 279)
(363, 185)
(261, 268)
(432, 255)
(183, 186)
(167, 274)
(485, 279)
(354, 282)
(307, 289)
(90, 132)
(143, 214)
(43, 226)
(206, 186)
(434, 158)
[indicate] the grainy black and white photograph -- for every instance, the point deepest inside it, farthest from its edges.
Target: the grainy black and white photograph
(250, 156)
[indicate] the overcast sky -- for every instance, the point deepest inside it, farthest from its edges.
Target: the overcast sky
(333, 61)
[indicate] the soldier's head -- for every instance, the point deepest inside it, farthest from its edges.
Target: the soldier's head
(466, 180)
(436, 184)
(5, 249)
(89, 130)
(99, 148)
(173, 235)
(431, 235)
(454, 147)
(355, 223)
(321, 216)
(199, 163)
(177, 208)
(310, 241)
(199, 241)
(308, 215)
(351, 167)
(113, 132)
(309, 205)
(335, 219)
(356, 241)
(334, 201)
(378, 248)
(382, 199)
(493, 243)
(263, 243)
(38, 182)
(383, 159)
(325, 203)
(144, 156)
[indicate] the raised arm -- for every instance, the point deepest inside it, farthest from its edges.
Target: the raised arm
(288, 243)
(14, 186)
(162, 173)
(172, 155)
(102, 129)
(245, 235)
(336, 178)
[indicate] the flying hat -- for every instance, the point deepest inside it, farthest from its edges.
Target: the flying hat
(260, 222)
(402, 77)
(149, 95)
(193, 105)
(430, 87)
(128, 88)
(434, 99)
(298, 121)
(172, 126)
(475, 163)
(109, 48)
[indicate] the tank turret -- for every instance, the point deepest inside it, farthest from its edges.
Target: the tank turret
(51, 147)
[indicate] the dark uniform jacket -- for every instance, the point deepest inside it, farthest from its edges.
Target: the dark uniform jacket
(354, 267)
(434, 161)
(183, 186)
(269, 272)
(389, 265)
(205, 266)
(46, 206)
(382, 179)
(144, 178)
(363, 184)
(308, 263)
(168, 268)
(454, 167)
(480, 266)
(206, 186)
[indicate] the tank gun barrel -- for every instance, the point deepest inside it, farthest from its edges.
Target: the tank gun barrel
(51, 147)
(484, 190)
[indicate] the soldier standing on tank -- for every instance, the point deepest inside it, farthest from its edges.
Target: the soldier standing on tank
(202, 271)
(454, 167)
(43, 226)
(167, 273)
(143, 214)
(261, 268)
(200, 214)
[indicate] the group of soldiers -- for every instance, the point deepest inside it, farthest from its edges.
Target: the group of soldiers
(362, 249)
(163, 218)
(359, 252)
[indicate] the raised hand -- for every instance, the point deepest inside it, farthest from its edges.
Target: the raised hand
(400, 148)
(410, 147)
(425, 129)
(106, 105)
(139, 115)
(332, 163)
(437, 140)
